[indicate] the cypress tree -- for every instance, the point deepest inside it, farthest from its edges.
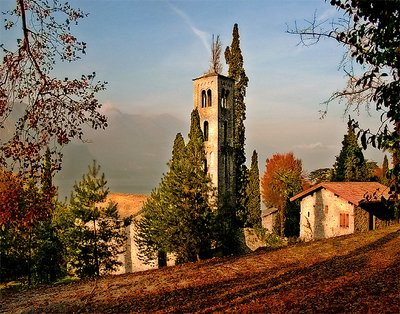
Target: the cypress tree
(253, 193)
(350, 165)
(234, 59)
(177, 217)
(385, 171)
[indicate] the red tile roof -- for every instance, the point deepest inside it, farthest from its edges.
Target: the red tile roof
(353, 192)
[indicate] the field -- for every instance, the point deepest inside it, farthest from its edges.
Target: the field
(351, 274)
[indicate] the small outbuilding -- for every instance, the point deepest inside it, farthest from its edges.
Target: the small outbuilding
(332, 209)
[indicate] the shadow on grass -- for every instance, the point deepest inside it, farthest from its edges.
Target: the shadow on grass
(286, 285)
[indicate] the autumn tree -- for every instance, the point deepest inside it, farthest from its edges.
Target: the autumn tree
(96, 232)
(281, 180)
(28, 236)
(350, 164)
(253, 203)
(178, 216)
(370, 33)
(38, 109)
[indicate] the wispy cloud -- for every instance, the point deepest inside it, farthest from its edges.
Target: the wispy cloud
(202, 35)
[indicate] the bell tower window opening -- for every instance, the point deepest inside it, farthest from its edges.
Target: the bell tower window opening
(205, 166)
(205, 130)
(203, 99)
(224, 98)
(209, 98)
(225, 132)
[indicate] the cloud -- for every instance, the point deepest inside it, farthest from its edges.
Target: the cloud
(202, 35)
(310, 146)
(108, 108)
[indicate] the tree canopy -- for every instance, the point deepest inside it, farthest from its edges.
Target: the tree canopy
(370, 32)
(96, 232)
(350, 164)
(236, 71)
(281, 180)
(177, 218)
(38, 109)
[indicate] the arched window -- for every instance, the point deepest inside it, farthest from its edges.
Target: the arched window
(205, 166)
(205, 130)
(224, 98)
(209, 98)
(203, 99)
(225, 131)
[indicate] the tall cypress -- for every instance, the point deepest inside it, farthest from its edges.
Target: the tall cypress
(385, 171)
(234, 60)
(253, 194)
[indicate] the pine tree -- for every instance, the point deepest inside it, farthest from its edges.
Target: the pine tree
(253, 194)
(97, 233)
(178, 215)
(234, 59)
(350, 165)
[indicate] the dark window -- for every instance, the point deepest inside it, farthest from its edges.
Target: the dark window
(205, 166)
(209, 98)
(225, 131)
(205, 130)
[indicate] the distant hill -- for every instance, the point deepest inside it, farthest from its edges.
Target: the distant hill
(132, 151)
(128, 204)
(358, 273)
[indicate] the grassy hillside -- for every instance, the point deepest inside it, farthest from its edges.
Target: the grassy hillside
(350, 274)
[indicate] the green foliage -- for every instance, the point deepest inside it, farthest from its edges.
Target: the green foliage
(292, 219)
(177, 218)
(370, 31)
(385, 178)
(95, 233)
(320, 175)
(253, 194)
(30, 243)
(350, 165)
(234, 59)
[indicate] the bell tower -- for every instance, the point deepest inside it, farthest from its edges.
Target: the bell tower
(213, 98)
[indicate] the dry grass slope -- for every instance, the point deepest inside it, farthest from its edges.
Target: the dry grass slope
(350, 274)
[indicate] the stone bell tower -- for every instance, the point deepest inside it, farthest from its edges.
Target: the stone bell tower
(213, 98)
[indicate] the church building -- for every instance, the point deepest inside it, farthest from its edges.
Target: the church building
(213, 98)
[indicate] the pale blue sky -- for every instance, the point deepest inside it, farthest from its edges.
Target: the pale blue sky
(149, 52)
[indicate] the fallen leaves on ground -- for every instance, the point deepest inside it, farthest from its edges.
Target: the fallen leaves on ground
(350, 274)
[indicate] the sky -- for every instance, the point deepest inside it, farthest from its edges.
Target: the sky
(149, 52)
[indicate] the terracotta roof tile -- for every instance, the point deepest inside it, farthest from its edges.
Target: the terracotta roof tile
(353, 192)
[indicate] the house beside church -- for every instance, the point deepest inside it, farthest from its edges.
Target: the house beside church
(332, 209)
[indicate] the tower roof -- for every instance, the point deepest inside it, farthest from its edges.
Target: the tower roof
(211, 75)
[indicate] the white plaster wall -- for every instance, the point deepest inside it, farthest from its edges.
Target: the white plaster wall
(316, 222)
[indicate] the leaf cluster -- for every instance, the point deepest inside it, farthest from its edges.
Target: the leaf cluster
(45, 111)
